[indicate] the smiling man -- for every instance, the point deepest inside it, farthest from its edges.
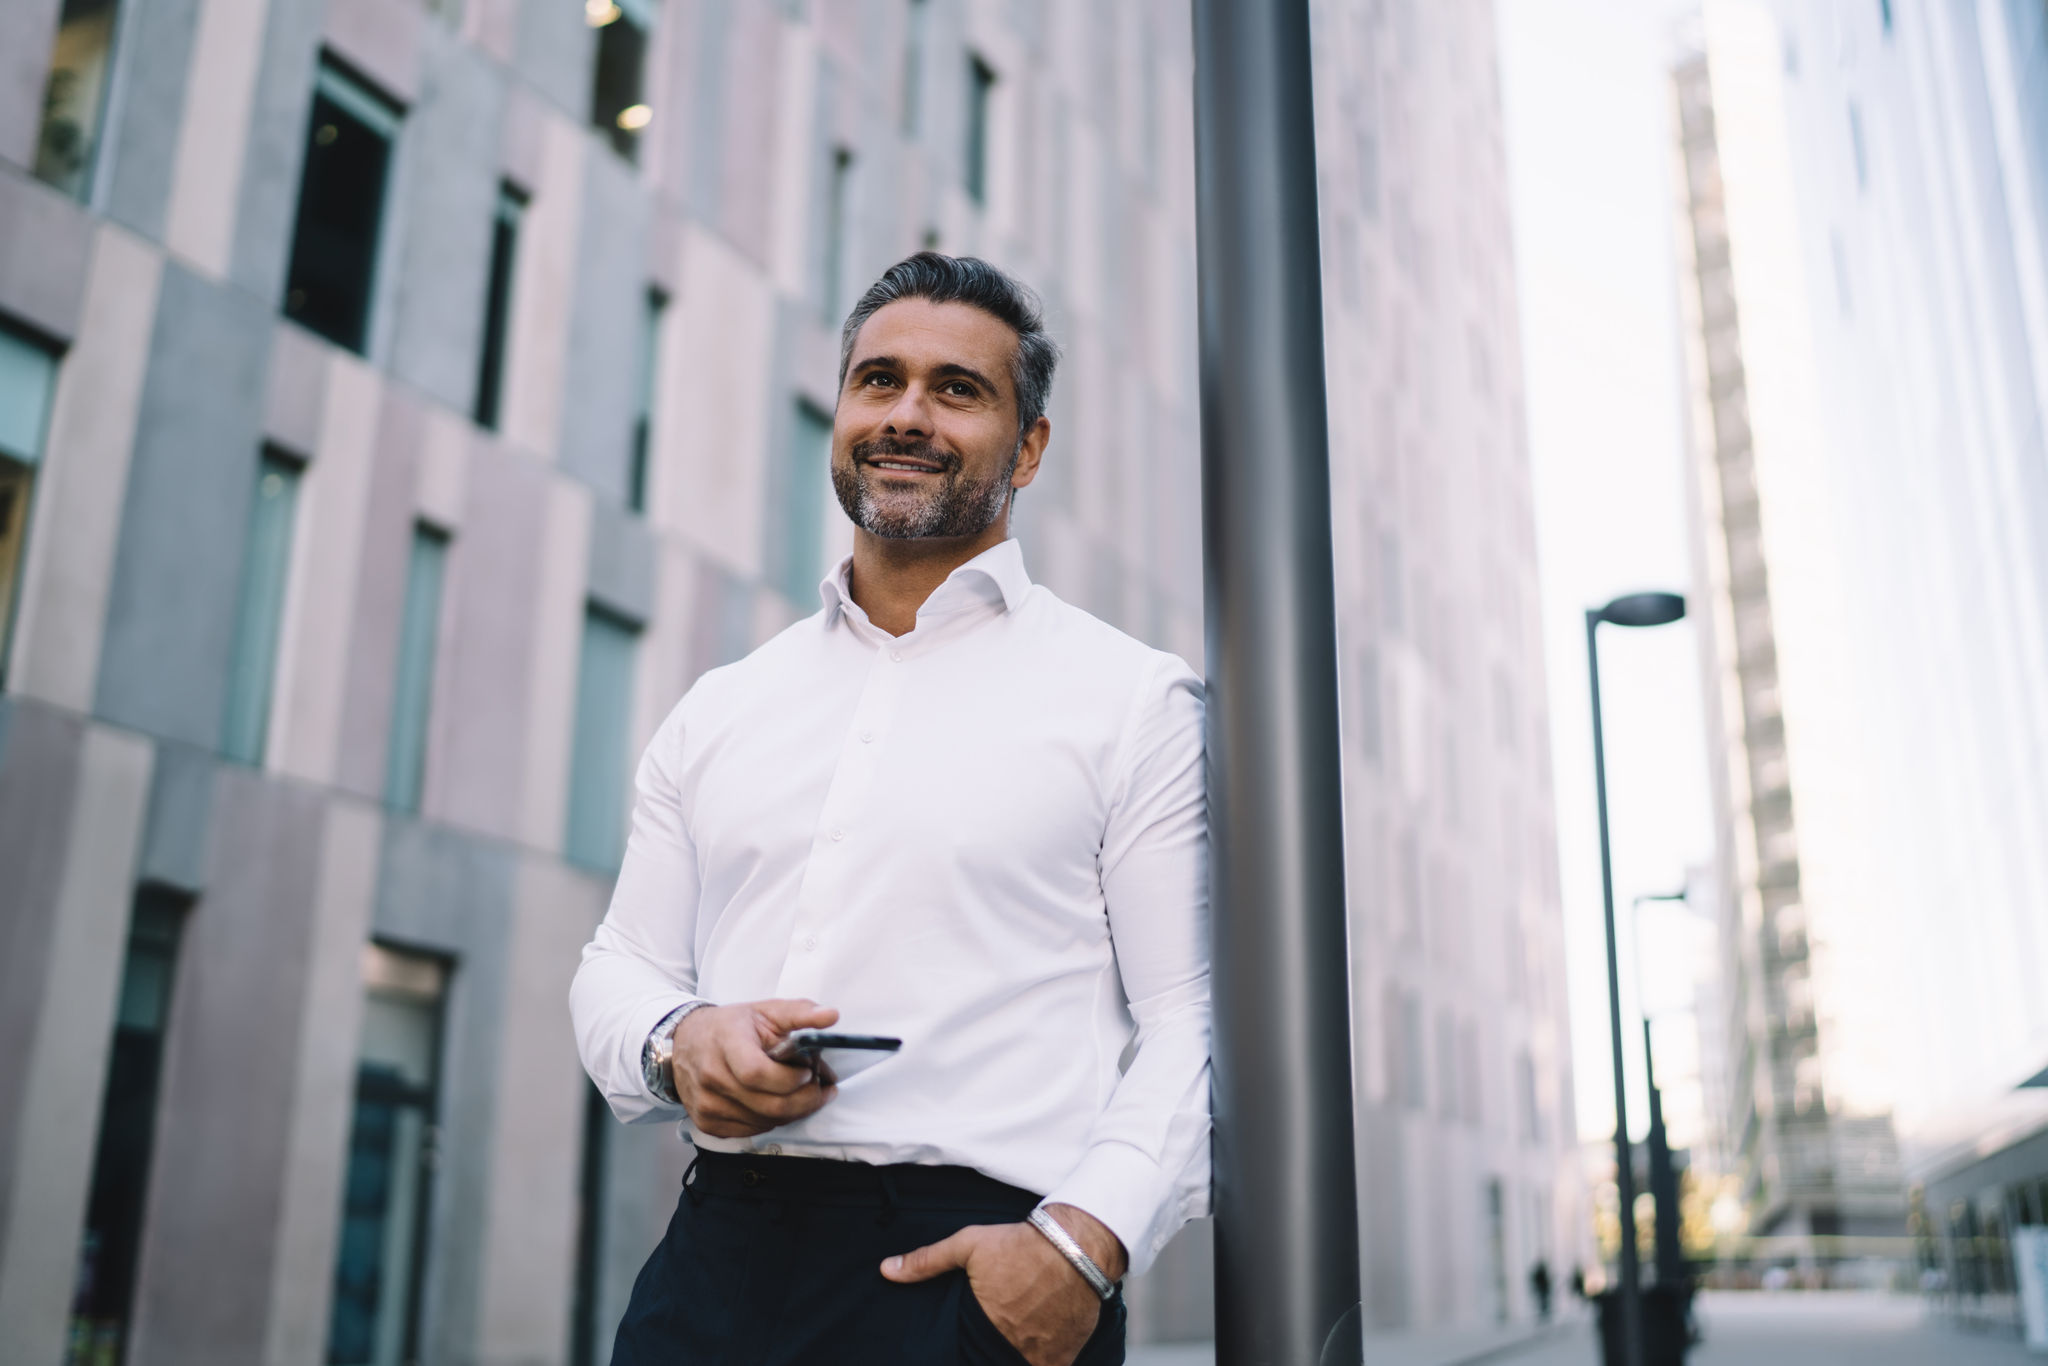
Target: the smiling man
(951, 809)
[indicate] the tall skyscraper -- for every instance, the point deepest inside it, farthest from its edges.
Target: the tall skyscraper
(400, 405)
(1864, 186)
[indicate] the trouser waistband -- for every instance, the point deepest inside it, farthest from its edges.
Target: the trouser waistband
(822, 1180)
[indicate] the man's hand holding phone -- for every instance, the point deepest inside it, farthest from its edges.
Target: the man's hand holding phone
(727, 1081)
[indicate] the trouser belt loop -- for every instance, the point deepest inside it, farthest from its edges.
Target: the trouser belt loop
(694, 1188)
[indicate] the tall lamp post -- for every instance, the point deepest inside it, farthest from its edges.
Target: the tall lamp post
(1663, 1177)
(1637, 609)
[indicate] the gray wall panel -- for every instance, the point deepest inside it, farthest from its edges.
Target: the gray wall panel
(45, 245)
(621, 572)
(476, 758)
(171, 611)
(39, 749)
(450, 893)
(442, 247)
(554, 52)
(269, 191)
(230, 1081)
(601, 390)
(175, 830)
(380, 599)
(26, 30)
(139, 144)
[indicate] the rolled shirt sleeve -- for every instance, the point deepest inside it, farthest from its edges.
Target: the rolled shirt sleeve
(1146, 1169)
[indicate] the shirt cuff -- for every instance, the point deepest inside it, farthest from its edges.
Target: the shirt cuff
(1127, 1192)
(641, 1024)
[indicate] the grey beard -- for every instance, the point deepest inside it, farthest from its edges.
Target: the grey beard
(957, 507)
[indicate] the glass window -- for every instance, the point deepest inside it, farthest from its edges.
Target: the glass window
(1414, 1067)
(75, 95)
(618, 106)
(832, 276)
(266, 565)
(349, 142)
(28, 376)
(103, 1296)
(412, 698)
(597, 771)
(651, 315)
(800, 538)
(981, 84)
(913, 64)
(391, 1148)
(490, 378)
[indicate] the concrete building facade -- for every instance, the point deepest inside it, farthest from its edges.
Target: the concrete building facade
(401, 404)
(1880, 177)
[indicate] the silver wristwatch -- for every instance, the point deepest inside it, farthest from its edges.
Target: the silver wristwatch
(658, 1054)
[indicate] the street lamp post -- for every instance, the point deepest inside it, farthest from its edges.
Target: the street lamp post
(1637, 609)
(1663, 1176)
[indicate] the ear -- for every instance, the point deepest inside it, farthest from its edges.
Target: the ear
(1030, 452)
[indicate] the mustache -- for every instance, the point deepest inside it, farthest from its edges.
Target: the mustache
(865, 452)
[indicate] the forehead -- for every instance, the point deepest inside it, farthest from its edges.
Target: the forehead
(918, 334)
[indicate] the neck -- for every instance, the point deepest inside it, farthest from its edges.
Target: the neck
(891, 579)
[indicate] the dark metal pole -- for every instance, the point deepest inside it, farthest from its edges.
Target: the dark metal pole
(1670, 1257)
(1624, 1166)
(1287, 1282)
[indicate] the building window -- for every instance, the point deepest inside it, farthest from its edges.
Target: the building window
(832, 274)
(28, 376)
(490, 375)
(914, 26)
(349, 143)
(1531, 1104)
(981, 84)
(75, 95)
(418, 629)
(585, 1325)
(653, 310)
(618, 106)
(597, 768)
(1414, 1068)
(800, 537)
(266, 565)
(105, 1288)
(1857, 150)
(391, 1152)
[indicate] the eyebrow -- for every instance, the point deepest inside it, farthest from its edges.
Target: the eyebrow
(946, 370)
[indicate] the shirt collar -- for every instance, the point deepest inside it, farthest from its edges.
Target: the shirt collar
(1000, 567)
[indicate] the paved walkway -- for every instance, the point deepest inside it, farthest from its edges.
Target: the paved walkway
(1835, 1329)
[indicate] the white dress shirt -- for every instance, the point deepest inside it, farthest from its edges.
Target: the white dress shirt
(987, 837)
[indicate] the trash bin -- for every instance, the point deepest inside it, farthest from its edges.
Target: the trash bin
(1665, 1333)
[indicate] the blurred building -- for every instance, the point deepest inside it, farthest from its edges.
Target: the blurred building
(1864, 193)
(1468, 1166)
(401, 404)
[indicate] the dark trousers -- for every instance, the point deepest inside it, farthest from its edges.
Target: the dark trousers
(775, 1261)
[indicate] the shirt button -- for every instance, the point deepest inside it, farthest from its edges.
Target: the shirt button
(810, 941)
(896, 655)
(867, 737)
(838, 835)
(770, 1149)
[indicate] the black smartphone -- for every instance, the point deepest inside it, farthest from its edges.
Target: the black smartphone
(834, 1057)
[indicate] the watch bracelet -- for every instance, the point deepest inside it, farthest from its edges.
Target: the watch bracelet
(657, 1063)
(1070, 1248)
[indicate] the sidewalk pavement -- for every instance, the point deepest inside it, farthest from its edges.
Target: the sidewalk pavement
(1422, 1347)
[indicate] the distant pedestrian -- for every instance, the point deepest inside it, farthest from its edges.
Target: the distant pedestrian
(1578, 1283)
(1539, 1286)
(959, 812)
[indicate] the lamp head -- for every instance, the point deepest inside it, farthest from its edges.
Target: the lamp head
(1644, 609)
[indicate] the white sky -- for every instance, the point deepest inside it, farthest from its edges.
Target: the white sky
(1588, 136)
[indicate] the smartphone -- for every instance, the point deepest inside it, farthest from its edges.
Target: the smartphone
(834, 1057)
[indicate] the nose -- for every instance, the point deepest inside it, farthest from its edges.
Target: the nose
(910, 415)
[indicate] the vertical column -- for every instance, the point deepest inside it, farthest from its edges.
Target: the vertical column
(1287, 1282)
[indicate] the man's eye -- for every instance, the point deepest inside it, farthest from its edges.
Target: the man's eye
(877, 379)
(960, 388)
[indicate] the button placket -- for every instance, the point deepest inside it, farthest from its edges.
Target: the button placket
(838, 829)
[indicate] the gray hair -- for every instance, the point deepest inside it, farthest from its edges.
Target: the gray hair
(969, 280)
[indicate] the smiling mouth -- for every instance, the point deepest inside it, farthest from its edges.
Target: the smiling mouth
(899, 466)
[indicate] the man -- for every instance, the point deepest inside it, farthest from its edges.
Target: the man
(948, 808)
